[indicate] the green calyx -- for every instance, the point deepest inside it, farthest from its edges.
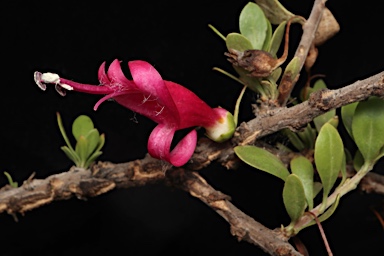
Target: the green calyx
(223, 129)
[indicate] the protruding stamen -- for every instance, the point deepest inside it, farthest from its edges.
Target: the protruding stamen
(60, 90)
(67, 87)
(37, 77)
(42, 79)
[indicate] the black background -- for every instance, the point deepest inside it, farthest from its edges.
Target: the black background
(73, 39)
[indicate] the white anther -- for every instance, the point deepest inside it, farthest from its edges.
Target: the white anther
(67, 87)
(60, 90)
(50, 78)
(37, 77)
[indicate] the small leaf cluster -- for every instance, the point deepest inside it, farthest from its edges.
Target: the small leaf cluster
(256, 34)
(12, 183)
(88, 141)
(300, 187)
(364, 122)
(304, 140)
(304, 179)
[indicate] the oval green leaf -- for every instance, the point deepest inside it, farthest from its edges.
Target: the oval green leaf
(317, 187)
(274, 11)
(82, 149)
(303, 168)
(306, 91)
(92, 158)
(294, 197)
(358, 161)
(253, 25)
(263, 160)
(81, 126)
(347, 113)
(293, 68)
(277, 38)
(71, 154)
(237, 42)
(268, 36)
(92, 137)
(368, 127)
(251, 82)
(329, 116)
(308, 136)
(329, 154)
(294, 139)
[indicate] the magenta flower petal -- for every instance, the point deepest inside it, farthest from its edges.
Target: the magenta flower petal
(148, 80)
(159, 145)
(192, 110)
(117, 77)
(103, 78)
(184, 150)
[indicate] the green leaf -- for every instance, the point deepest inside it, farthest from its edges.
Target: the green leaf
(294, 139)
(81, 126)
(368, 127)
(263, 160)
(347, 113)
(320, 120)
(275, 75)
(308, 136)
(303, 168)
(294, 197)
(101, 142)
(277, 38)
(238, 42)
(12, 183)
(274, 11)
(82, 149)
(317, 187)
(329, 154)
(293, 68)
(319, 84)
(92, 158)
(92, 138)
(71, 154)
(343, 169)
(253, 25)
(270, 88)
(306, 91)
(328, 213)
(268, 36)
(252, 83)
(216, 31)
(358, 160)
(62, 130)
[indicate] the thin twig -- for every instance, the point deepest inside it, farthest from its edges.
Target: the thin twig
(323, 236)
(309, 31)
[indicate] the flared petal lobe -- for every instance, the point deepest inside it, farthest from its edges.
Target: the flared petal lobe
(150, 82)
(159, 145)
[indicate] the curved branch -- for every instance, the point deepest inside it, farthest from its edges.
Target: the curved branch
(105, 176)
(309, 32)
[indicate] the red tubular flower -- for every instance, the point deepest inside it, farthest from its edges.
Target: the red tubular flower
(169, 104)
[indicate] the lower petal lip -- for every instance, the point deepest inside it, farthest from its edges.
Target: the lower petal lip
(159, 145)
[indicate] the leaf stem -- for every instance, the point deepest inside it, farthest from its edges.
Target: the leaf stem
(349, 185)
(237, 106)
(62, 130)
(217, 32)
